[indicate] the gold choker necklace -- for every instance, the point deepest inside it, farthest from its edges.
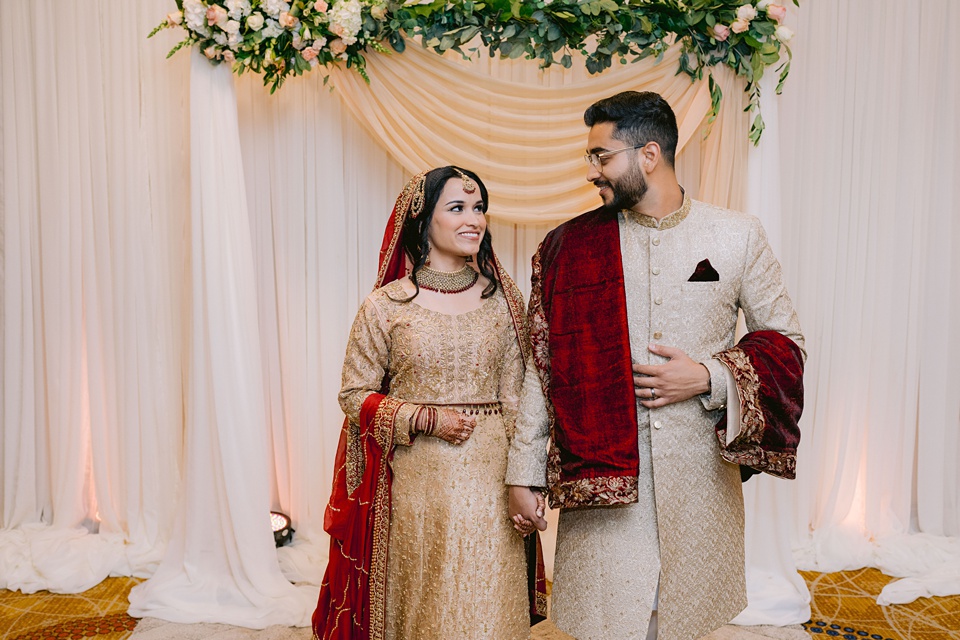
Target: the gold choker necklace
(447, 281)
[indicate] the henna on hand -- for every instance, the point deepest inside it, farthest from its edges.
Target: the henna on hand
(446, 424)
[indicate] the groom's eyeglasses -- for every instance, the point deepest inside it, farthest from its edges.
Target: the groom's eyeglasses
(596, 160)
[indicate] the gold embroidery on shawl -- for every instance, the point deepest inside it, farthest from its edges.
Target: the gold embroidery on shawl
(400, 210)
(355, 462)
(592, 492)
(383, 432)
(745, 449)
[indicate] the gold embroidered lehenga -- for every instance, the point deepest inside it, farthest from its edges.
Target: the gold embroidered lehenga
(421, 546)
(456, 568)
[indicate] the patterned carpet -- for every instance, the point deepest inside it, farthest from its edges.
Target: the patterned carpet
(844, 606)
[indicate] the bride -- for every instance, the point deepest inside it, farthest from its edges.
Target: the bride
(421, 545)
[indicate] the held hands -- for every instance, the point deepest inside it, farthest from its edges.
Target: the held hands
(658, 385)
(527, 508)
(446, 424)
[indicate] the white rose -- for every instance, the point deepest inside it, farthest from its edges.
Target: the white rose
(232, 26)
(763, 4)
(255, 22)
(175, 18)
(220, 38)
(746, 12)
(783, 34)
(318, 43)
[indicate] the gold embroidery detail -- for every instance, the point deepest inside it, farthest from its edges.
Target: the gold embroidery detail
(591, 492)
(469, 186)
(383, 431)
(401, 208)
(745, 448)
(668, 222)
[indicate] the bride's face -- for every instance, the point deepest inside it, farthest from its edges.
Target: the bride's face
(458, 223)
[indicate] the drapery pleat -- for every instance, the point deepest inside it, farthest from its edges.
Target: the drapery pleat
(220, 564)
(525, 139)
(92, 262)
(871, 152)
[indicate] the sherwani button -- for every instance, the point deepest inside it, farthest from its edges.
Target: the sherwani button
(656, 242)
(658, 300)
(657, 335)
(655, 271)
(656, 425)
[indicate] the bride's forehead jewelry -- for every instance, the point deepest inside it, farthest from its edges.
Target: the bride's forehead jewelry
(469, 186)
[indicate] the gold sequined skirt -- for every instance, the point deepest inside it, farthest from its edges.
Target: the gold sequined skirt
(456, 568)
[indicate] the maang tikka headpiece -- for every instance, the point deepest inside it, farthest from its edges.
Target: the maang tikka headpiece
(469, 186)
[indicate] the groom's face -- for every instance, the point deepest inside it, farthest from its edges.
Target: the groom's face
(619, 176)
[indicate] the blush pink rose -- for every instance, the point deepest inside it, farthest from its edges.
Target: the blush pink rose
(337, 29)
(721, 32)
(210, 52)
(777, 12)
(175, 18)
(229, 57)
(216, 15)
(739, 26)
(309, 53)
(337, 46)
(287, 21)
(320, 6)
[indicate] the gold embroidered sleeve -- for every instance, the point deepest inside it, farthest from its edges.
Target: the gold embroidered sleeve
(764, 299)
(511, 382)
(366, 363)
(527, 460)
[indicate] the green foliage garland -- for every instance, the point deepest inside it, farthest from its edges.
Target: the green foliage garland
(277, 38)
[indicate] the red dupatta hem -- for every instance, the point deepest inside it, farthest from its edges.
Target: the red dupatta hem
(353, 591)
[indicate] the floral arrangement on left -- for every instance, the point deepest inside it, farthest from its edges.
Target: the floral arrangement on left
(276, 38)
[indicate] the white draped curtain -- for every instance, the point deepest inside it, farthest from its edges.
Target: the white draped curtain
(102, 300)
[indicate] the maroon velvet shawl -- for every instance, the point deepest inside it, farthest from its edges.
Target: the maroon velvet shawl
(581, 346)
(768, 370)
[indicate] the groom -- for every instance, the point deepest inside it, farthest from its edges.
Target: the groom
(633, 314)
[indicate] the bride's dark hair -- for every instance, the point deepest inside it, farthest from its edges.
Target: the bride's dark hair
(414, 237)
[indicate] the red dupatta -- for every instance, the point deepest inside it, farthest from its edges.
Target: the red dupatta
(352, 601)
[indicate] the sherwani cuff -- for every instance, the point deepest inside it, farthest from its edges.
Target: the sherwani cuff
(531, 474)
(717, 397)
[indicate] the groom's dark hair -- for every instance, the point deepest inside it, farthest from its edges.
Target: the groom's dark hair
(638, 117)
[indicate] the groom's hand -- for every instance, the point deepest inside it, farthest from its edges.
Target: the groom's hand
(679, 379)
(527, 509)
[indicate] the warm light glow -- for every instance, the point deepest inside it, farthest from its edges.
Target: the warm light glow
(279, 521)
(282, 531)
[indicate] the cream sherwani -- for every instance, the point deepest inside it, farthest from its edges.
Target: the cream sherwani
(685, 533)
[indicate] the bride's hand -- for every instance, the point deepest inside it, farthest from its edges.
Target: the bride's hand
(446, 424)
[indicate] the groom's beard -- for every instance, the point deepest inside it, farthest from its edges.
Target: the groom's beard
(625, 191)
